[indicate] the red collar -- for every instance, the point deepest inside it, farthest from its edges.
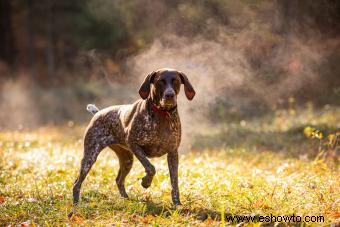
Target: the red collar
(165, 113)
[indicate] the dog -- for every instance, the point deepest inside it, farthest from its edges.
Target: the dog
(148, 128)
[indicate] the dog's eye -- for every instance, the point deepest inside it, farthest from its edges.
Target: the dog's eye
(161, 82)
(175, 83)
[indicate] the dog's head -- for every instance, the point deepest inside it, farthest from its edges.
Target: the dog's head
(163, 86)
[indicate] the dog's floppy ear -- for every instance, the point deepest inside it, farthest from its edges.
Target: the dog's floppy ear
(188, 89)
(144, 89)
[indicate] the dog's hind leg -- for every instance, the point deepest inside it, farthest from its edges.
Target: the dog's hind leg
(96, 139)
(125, 164)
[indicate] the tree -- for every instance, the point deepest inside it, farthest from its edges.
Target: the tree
(7, 50)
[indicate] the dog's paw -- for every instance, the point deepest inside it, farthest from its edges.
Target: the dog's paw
(123, 194)
(176, 202)
(146, 181)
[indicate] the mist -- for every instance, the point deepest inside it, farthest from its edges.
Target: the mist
(243, 70)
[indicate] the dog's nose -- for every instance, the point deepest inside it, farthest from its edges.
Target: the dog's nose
(169, 95)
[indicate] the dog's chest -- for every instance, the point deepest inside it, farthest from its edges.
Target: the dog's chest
(158, 134)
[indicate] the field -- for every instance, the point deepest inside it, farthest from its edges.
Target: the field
(260, 167)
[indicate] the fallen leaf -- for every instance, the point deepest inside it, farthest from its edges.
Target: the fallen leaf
(147, 219)
(76, 218)
(259, 203)
(209, 221)
(335, 214)
(185, 211)
(2, 199)
(25, 224)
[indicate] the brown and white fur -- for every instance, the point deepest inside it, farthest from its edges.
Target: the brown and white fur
(148, 128)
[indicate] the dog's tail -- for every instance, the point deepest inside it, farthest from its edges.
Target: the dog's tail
(92, 108)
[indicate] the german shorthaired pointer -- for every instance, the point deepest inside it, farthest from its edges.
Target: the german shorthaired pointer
(148, 128)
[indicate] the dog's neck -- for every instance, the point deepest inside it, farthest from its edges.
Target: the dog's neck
(163, 112)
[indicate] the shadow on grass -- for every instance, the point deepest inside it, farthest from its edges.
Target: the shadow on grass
(203, 214)
(149, 207)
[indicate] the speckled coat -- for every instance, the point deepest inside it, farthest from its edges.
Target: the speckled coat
(136, 129)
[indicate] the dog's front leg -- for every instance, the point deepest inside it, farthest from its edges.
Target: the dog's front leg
(173, 169)
(149, 168)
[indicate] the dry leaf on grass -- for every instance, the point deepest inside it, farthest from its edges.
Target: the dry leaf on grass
(76, 218)
(147, 219)
(2, 199)
(335, 214)
(209, 221)
(25, 224)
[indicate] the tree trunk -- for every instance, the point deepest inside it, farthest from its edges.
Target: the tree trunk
(7, 51)
(31, 40)
(50, 39)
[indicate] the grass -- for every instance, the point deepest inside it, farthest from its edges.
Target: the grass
(37, 170)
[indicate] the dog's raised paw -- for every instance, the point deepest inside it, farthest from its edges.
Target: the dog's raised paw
(146, 181)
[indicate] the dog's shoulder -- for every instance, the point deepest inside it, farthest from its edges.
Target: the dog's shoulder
(131, 111)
